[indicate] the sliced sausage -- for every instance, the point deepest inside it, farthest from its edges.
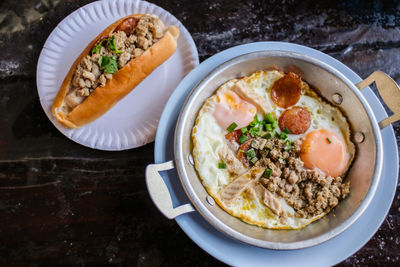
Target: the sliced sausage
(127, 25)
(234, 136)
(286, 91)
(297, 120)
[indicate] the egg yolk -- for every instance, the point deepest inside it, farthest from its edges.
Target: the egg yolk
(231, 108)
(326, 151)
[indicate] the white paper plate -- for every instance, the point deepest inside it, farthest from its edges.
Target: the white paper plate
(133, 121)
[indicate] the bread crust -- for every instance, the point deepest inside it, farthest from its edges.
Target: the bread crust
(122, 82)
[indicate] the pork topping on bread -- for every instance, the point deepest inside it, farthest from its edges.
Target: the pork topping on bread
(111, 53)
(111, 66)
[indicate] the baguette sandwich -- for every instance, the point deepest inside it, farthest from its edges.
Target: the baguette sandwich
(111, 66)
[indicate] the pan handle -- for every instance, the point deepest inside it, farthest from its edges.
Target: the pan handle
(389, 91)
(159, 192)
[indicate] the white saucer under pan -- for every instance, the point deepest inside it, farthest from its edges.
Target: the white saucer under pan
(233, 252)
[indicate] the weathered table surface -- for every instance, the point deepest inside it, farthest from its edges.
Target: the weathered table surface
(62, 203)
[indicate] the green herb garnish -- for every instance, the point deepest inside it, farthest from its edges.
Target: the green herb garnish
(243, 139)
(255, 131)
(283, 136)
(274, 125)
(255, 121)
(269, 118)
(221, 165)
(108, 64)
(98, 46)
(286, 131)
(112, 45)
(251, 153)
(267, 172)
(267, 136)
(231, 127)
(268, 127)
(254, 160)
(329, 140)
(244, 130)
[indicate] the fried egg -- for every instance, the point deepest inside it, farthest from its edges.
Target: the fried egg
(325, 137)
(231, 107)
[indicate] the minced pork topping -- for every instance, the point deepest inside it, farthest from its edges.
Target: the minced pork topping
(309, 191)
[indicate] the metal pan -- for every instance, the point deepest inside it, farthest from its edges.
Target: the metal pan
(364, 174)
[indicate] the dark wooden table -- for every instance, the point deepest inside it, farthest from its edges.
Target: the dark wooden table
(62, 203)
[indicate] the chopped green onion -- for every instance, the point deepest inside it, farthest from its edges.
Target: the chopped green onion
(286, 131)
(283, 136)
(255, 131)
(221, 165)
(269, 118)
(268, 127)
(267, 136)
(267, 172)
(243, 139)
(231, 127)
(251, 153)
(244, 130)
(254, 160)
(274, 125)
(255, 121)
(329, 140)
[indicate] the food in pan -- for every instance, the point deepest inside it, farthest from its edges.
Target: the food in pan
(111, 66)
(271, 151)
